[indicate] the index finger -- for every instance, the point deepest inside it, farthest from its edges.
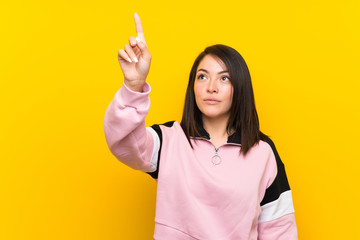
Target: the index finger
(139, 28)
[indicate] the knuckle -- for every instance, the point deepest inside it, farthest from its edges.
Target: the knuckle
(132, 41)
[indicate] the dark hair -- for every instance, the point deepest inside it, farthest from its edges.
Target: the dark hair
(243, 115)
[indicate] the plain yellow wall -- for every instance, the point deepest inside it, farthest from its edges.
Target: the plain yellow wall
(59, 72)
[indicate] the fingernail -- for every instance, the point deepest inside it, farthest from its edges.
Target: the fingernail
(137, 39)
(129, 59)
(135, 59)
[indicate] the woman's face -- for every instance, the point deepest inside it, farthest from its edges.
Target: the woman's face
(213, 89)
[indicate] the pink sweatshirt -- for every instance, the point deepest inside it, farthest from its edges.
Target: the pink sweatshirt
(240, 198)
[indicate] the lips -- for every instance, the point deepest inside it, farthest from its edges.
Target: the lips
(211, 100)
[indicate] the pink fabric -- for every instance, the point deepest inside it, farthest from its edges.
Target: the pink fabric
(195, 199)
(124, 127)
(283, 228)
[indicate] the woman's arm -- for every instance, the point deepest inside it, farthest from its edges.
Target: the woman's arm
(124, 122)
(277, 220)
(124, 127)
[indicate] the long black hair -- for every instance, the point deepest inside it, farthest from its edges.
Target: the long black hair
(243, 115)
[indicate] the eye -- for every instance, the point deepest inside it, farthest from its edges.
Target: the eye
(201, 76)
(225, 78)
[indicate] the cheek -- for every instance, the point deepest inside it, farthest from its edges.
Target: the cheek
(196, 90)
(230, 95)
(229, 92)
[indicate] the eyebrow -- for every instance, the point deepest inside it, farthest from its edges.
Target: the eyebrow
(201, 69)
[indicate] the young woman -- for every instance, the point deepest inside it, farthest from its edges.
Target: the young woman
(218, 176)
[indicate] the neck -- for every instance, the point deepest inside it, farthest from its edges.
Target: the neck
(216, 129)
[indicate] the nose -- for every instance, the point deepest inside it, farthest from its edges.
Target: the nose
(212, 86)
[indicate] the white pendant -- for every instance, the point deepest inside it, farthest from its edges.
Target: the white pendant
(216, 159)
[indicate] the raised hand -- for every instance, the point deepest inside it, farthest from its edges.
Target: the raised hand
(135, 59)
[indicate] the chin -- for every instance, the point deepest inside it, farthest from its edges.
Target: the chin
(213, 115)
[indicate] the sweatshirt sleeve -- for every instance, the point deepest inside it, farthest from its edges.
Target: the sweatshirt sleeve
(277, 219)
(125, 131)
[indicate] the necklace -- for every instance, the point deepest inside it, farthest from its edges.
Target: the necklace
(216, 159)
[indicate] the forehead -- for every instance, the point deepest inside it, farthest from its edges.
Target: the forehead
(212, 63)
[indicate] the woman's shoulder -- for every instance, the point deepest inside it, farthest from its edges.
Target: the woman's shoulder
(269, 143)
(169, 127)
(169, 124)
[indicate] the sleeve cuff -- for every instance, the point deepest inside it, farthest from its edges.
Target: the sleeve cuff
(129, 98)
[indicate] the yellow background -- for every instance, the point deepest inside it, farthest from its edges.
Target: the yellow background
(59, 72)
